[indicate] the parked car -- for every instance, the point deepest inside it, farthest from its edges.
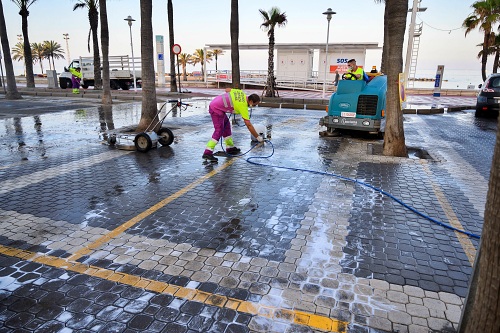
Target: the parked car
(488, 99)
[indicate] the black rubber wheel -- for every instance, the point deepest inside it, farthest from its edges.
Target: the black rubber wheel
(479, 113)
(143, 142)
(65, 83)
(165, 136)
(111, 140)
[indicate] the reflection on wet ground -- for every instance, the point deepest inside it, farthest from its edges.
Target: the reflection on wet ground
(267, 236)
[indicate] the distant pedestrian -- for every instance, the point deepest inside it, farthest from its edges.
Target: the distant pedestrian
(337, 78)
(232, 101)
(76, 77)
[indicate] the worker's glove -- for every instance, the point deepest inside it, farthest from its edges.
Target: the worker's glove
(260, 139)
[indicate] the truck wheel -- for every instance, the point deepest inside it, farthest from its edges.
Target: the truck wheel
(65, 83)
(143, 142)
(124, 86)
(114, 85)
(165, 136)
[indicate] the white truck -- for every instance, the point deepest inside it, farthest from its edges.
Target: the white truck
(120, 73)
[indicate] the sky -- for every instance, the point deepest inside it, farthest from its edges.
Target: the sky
(201, 22)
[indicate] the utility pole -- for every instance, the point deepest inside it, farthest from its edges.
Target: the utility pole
(411, 36)
(66, 37)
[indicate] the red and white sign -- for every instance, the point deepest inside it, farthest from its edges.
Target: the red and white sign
(176, 48)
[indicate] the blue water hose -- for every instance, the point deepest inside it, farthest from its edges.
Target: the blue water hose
(250, 160)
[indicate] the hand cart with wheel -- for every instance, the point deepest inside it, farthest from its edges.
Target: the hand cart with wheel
(148, 139)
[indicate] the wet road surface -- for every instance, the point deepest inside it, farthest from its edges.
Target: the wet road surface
(94, 238)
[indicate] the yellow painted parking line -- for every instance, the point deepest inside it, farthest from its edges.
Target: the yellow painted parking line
(8, 166)
(130, 223)
(464, 240)
(311, 320)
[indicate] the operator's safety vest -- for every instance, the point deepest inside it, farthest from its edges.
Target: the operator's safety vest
(358, 71)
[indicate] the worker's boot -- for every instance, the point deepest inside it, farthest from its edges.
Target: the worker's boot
(233, 151)
(209, 157)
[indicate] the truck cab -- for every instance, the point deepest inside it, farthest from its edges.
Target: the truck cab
(358, 105)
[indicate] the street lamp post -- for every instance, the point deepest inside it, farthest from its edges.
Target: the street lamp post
(329, 13)
(130, 20)
(66, 37)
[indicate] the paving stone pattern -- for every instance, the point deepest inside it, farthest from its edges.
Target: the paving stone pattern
(282, 239)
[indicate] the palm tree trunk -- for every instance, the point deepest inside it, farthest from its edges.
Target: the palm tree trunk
(12, 92)
(170, 12)
(149, 111)
(271, 82)
(483, 312)
(106, 96)
(235, 49)
(28, 57)
(395, 17)
(484, 57)
(94, 23)
(497, 59)
(384, 47)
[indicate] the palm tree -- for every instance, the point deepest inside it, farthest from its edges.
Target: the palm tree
(12, 92)
(184, 59)
(486, 13)
(106, 96)
(170, 13)
(53, 50)
(481, 312)
(234, 29)
(199, 57)
(92, 6)
(494, 48)
(28, 58)
(216, 53)
(271, 19)
(38, 54)
(149, 112)
(18, 52)
(392, 58)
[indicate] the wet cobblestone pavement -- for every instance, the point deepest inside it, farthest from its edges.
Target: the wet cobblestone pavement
(97, 239)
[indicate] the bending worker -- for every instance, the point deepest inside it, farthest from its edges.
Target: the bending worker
(354, 72)
(76, 76)
(233, 101)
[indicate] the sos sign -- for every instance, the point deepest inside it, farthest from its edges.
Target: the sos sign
(342, 60)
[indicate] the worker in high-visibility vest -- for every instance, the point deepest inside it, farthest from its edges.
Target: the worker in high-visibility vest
(233, 101)
(354, 72)
(76, 77)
